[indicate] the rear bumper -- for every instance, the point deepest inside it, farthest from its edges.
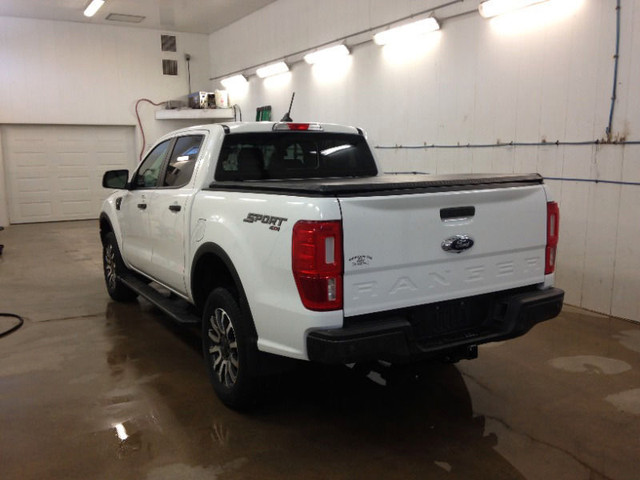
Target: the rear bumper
(393, 338)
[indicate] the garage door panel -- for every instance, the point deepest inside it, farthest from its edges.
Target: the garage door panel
(64, 171)
(77, 208)
(31, 159)
(29, 144)
(34, 185)
(109, 144)
(111, 159)
(55, 172)
(20, 173)
(44, 195)
(70, 145)
(36, 211)
(75, 184)
(68, 159)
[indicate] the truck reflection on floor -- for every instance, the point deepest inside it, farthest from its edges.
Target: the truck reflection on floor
(360, 421)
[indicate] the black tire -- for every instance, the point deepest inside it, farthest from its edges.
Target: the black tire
(230, 351)
(113, 266)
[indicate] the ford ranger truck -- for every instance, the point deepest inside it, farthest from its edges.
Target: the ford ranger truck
(286, 239)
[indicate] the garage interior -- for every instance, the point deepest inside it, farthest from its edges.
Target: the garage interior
(90, 388)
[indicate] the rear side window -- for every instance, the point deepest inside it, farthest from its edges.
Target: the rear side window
(183, 159)
(282, 155)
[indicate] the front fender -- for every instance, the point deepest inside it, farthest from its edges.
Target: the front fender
(109, 217)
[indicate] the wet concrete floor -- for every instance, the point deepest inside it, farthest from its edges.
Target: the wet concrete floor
(91, 389)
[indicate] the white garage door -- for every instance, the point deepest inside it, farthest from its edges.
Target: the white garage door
(54, 172)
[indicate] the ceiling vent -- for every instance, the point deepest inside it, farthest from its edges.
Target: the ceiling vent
(122, 17)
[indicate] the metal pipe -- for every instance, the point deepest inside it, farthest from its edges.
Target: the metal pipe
(615, 72)
(557, 143)
(593, 180)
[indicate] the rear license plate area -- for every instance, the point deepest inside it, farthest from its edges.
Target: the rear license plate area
(447, 318)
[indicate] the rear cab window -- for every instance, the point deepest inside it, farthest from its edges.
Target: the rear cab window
(294, 155)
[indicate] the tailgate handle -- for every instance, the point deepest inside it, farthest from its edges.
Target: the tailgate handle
(456, 213)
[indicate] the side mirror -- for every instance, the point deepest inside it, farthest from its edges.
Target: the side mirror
(115, 179)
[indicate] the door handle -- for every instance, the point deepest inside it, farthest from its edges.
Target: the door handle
(175, 208)
(457, 213)
(142, 206)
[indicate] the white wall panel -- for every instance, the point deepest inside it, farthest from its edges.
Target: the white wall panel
(631, 166)
(525, 160)
(626, 282)
(600, 248)
(573, 239)
(482, 159)
(77, 73)
(479, 86)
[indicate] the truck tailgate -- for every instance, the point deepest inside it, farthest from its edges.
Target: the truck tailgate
(393, 244)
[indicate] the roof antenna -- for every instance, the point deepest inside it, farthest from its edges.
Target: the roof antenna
(287, 116)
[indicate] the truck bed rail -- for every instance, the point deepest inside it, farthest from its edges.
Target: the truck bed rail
(379, 185)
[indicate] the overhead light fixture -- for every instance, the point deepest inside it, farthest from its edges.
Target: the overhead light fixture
(326, 54)
(273, 69)
(493, 8)
(535, 17)
(93, 7)
(406, 32)
(234, 82)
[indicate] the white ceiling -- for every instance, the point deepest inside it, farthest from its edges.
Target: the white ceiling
(192, 16)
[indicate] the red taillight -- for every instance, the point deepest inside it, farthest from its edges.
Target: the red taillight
(317, 264)
(298, 126)
(553, 223)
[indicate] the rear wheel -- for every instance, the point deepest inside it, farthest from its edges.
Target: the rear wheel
(229, 350)
(113, 267)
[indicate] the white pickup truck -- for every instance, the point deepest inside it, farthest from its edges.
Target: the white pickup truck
(285, 239)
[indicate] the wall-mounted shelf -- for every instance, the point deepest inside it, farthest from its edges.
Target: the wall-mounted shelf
(195, 114)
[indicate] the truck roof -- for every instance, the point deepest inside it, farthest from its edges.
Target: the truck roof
(251, 127)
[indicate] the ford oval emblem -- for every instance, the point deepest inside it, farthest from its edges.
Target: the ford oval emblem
(457, 243)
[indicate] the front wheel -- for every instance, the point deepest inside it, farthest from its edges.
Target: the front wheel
(113, 267)
(229, 350)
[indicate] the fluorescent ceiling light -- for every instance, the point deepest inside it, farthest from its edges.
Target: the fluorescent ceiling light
(273, 69)
(93, 7)
(406, 32)
(326, 55)
(492, 8)
(234, 82)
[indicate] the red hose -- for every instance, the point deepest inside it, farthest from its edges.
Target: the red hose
(144, 141)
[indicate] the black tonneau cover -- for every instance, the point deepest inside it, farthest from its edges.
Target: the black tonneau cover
(387, 184)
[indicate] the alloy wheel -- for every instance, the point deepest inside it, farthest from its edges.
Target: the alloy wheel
(223, 348)
(110, 266)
